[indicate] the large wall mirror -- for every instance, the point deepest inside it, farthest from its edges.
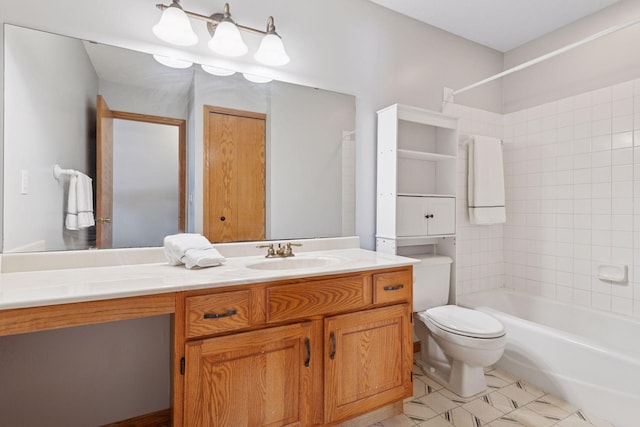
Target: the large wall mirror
(176, 156)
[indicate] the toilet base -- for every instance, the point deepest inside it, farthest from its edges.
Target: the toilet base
(461, 379)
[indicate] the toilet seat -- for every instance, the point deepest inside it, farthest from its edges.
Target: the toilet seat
(463, 321)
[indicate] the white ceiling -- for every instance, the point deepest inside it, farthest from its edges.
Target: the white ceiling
(499, 24)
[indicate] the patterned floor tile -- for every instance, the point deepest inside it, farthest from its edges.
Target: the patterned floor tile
(460, 417)
(436, 422)
(547, 410)
(438, 402)
(508, 402)
(398, 421)
(498, 379)
(482, 409)
(530, 419)
(506, 421)
(501, 402)
(517, 394)
(417, 410)
(556, 401)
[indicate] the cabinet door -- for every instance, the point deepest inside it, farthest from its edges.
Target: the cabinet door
(442, 212)
(368, 360)
(259, 378)
(411, 216)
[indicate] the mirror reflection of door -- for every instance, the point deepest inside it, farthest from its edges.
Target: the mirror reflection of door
(234, 175)
(140, 185)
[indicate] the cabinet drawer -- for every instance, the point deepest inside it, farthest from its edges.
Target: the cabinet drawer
(392, 286)
(211, 314)
(317, 297)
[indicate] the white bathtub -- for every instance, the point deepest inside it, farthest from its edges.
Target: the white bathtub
(591, 359)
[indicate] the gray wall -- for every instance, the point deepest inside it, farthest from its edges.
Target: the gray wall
(604, 62)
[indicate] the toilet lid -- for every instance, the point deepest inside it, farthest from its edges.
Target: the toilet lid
(464, 321)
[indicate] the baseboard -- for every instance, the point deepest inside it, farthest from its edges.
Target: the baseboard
(154, 419)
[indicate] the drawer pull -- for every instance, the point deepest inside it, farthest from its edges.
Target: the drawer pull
(393, 288)
(332, 353)
(220, 315)
(307, 344)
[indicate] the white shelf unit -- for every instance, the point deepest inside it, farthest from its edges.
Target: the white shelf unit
(416, 183)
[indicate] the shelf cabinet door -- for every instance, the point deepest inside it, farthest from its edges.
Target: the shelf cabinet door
(259, 378)
(443, 215)
(368, 360)
(425, 216)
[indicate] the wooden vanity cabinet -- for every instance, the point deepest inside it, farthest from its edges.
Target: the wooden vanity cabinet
(303, 352)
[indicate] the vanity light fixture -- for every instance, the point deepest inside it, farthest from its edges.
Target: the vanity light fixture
(174, 28)
(172, 62)
(217, 71)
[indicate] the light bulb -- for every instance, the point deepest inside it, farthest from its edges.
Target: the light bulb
(256, 79)
(227, 40)
(217, 71)
(271, 51)
(172, 62)
(174, 27)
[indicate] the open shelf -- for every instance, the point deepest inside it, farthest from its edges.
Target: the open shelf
(422, 155)
(425, 195)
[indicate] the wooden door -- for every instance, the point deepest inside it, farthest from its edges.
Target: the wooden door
(368, 360)
(234, 175)
(104, 174)
(260, 378)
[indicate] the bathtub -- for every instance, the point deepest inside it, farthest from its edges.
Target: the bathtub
(591, 359)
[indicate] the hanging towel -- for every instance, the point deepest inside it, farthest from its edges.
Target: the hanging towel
(192, 250)
(80, 202)
(486, 181)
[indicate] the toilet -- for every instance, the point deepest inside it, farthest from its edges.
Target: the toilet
(457, 343)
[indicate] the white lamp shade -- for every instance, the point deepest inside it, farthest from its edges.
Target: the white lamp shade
(174, 27)
(172, 62)
(271, 51)
(217, 71)
(256, 79)
(227, 40)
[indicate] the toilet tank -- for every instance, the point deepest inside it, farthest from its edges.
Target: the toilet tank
(431, 281)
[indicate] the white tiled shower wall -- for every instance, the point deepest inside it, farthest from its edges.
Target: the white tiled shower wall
(572, 178)
(479, 257)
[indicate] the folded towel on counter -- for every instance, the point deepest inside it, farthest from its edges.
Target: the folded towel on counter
(192, 250)
(79, 203)
(486, 181)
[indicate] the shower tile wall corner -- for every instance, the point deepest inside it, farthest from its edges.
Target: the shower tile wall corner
(479, 257)
(572, 181)
(572, 178)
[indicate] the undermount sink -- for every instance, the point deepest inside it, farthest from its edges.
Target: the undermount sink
(294, 263)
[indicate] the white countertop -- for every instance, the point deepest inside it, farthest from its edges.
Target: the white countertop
(48, 287)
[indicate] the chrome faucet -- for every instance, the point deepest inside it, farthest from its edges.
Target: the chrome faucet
(283, 250)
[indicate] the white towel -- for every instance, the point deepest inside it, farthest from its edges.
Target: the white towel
(80, 202)
(191, 249)
(486, 181)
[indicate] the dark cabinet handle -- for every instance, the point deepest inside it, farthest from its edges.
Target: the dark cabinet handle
(393, 288)
(332, 353)
(220, 315)
(307, 344)
(222, 218)
(429, 216)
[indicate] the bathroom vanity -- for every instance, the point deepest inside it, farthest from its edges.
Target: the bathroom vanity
(317, 341)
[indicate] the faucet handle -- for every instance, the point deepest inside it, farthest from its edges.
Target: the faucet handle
(288, 250)
(270, 251)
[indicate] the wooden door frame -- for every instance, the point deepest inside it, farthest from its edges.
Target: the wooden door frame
(182, 154)
(208, 109)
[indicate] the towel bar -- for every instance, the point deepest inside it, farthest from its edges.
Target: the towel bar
(58, 171)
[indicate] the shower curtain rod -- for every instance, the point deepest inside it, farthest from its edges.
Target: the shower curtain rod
(549, 55)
